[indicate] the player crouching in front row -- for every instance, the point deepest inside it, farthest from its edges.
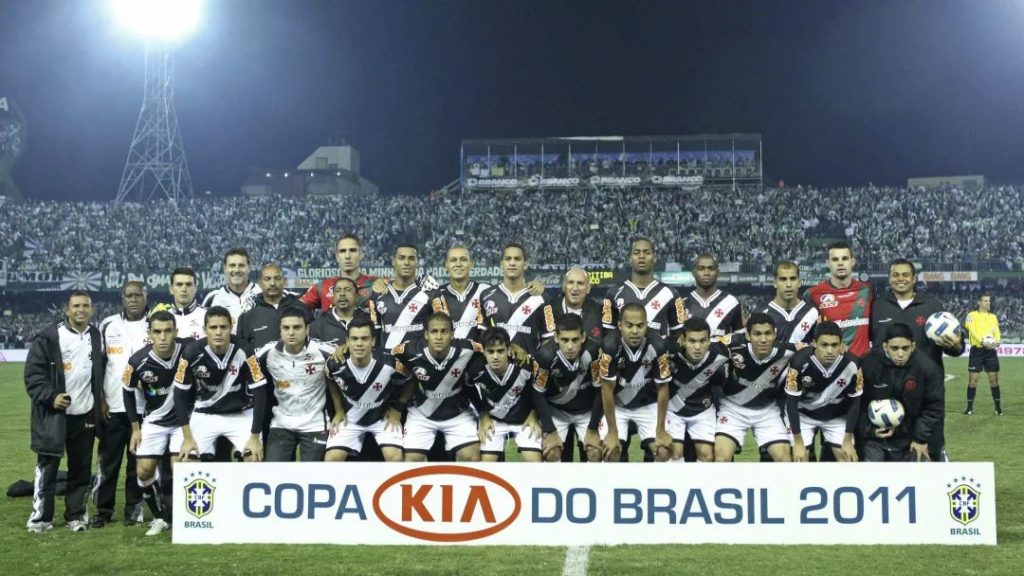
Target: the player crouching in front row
(369, 384)
(500, 391)
(823, 390)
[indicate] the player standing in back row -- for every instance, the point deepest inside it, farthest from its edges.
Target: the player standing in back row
(721, 310)
(845, 300)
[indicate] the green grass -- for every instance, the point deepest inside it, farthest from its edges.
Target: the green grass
(117, 549)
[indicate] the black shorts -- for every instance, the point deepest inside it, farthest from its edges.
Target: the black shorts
(983, 360)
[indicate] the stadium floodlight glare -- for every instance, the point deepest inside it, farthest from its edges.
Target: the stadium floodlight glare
(158, 20)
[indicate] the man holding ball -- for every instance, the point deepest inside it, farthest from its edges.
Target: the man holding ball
(983, 329)
(901, 373)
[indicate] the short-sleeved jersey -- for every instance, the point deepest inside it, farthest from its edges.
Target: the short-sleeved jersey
(568, 386)
(527, 318)
(367, 391)
(399, 316)
(154, 377)
(796, 325)
(223, 384)
(637, 374)
(755, 382)
(506, 395)
(666, 310)
(463, 308)
(235, 303)
(721, 310)
(692, 382)
(825, 392)
(299, 381)
(850, 308)
(981, 324)
(189, 320)
(439, 391)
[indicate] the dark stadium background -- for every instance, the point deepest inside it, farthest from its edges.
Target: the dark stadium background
(844, 93)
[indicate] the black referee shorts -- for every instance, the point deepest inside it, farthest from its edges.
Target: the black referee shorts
(983, 360)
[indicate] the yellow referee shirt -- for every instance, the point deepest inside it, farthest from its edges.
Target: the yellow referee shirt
(980, 324)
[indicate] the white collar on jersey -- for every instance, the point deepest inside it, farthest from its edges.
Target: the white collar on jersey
(513, 297)
(461, 296)
(788, 315)
(574, 366)
(705, 303)
(750, 348)
(826, 371)
(655, 284)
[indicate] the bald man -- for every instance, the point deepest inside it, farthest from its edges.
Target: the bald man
(575, 299)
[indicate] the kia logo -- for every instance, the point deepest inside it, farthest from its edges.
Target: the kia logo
(446, 503)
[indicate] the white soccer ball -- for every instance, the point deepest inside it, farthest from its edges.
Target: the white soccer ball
(988, 341)
(940, 324)
(886, 413)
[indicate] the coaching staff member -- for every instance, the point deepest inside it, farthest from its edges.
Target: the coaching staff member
(902, 305)
(64, 379)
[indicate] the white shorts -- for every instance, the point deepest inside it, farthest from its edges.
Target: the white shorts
(206, 428)
(767, 423)
(349, 437)
(578, 422)
(158, 440)
(833, 430)
(700, 426)
(503, 430)
(459, 432)
(645, 418)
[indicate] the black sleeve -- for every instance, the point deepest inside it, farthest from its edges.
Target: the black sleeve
(130, 408)
(39, 374)
(852, 414)
(259, 410)
(932, 406)
(540, 404)
(793, 413)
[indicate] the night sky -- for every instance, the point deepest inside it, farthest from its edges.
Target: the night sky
(843, 92)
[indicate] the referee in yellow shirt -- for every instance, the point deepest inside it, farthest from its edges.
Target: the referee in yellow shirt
(983, 329)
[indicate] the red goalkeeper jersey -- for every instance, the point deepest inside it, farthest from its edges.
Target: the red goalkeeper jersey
(321, 294)
(850, 308)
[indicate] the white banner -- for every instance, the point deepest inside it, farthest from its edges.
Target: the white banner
(1005, 349)
(585, 504)
(15, 355)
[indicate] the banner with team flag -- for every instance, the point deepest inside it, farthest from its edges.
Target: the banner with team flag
(585, 504)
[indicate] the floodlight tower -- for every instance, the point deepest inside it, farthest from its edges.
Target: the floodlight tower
(156, 166)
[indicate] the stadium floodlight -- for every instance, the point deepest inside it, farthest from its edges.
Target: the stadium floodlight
(158, 20)
(156, 165)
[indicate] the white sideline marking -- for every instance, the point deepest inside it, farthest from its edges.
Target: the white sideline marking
(576, 560)
(949, 377)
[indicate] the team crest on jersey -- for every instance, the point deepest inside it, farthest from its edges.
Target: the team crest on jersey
(619, 303)
(490, 308)
(382, 307)
(556, 373)
(964, 500)
(199, 491)
(421, 373)
(737, 361)
(808, 381)
(148, 377)
(201, 372)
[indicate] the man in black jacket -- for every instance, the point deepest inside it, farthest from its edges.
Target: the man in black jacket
(64, 379)
(575, 299)
(903, 305)
(261, 324)
(898, 371)
(332, 326)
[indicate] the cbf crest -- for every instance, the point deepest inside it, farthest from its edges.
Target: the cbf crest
(964, 500)
(199, 492)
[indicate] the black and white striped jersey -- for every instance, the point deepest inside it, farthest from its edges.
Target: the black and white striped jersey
(637, 374)
(439, 391)
(223, 384)
(367, 391)
(568, 386)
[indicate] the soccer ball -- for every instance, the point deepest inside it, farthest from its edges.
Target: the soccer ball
(988, 341)
(886, 413)
(940, 324)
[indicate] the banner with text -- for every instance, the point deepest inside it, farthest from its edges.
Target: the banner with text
(577, 504)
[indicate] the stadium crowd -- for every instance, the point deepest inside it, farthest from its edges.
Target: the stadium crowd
(755, 228)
